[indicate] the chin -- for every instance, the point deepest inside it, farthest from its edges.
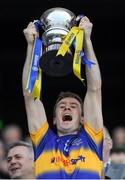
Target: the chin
(70, 131)
(16, 176)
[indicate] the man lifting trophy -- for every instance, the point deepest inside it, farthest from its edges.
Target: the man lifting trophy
(57, 44)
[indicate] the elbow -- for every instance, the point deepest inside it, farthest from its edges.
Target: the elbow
(95, 86)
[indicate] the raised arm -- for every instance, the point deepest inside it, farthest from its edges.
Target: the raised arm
(92, 103)
(34, 108)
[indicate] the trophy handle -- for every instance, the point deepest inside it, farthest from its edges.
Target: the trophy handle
(78, 18)
(40, 27)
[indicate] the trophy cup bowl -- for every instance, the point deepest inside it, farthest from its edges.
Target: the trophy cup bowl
(56, 22)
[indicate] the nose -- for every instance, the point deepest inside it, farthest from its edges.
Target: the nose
(13, 161)
(10, 164)
(67, 107)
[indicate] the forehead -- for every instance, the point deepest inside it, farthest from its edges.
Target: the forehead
(18, 150)
(118, 156)
(68, 100)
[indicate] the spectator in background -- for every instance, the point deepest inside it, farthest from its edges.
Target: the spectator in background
(11, 133)
(116, 169)
(118, 155)
(3, 164)
(20, 160)
(118, 136)
(2, 150)
(28, 139)
(107, 146)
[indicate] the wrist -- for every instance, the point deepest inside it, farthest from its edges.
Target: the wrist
(87, 43)
(30, 46)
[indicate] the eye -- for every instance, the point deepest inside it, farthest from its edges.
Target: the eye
(62, 106)
(9, 159)
(73, 106)
(18, 157)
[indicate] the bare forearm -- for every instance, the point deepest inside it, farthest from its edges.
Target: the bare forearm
(92, 102)
(36, 115)
(93, 75)
(34, 108)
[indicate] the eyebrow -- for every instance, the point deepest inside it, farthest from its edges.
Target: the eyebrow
(14, 156)
(72, 103)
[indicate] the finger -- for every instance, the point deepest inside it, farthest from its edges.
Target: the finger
(30, 24)
(85, 18)
(30, 31)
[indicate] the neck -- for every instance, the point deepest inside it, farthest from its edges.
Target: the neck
(60, 133)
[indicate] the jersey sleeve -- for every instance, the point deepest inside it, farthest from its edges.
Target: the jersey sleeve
(39, 134)
(97, 136)
(95, 139)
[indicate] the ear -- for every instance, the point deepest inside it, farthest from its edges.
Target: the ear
(82, 120)
(54, 121)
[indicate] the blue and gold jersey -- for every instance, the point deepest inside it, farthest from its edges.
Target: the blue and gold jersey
(68, 157)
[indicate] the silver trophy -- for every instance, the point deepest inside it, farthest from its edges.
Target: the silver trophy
(56, 24)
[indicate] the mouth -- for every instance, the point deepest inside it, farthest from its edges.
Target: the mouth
(13, 170)
(67, 117)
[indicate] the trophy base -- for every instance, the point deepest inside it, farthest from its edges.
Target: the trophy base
(56, 66)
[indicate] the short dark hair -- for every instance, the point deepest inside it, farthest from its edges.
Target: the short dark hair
(66, 94)
(118, 149)
(21, 143)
